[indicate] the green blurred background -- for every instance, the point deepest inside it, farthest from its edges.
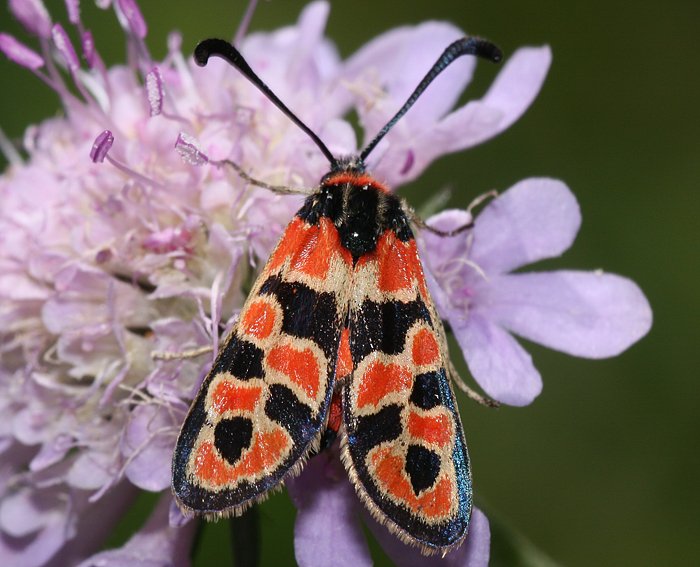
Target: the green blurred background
(602, 468)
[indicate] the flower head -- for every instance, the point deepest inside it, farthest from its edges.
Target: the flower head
(589, 314)
(113, 246)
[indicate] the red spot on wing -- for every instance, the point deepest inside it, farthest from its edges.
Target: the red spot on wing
(258, 320)
(433, 503)
(266, 452)
(380, 380)
(229, 396)
(396, 271)
(290, 241)
(398, 265)
(434, 429)
(343, 364)
(425, 349)
(300, 366)
(320, 245)
(209, 467)
(310, 247)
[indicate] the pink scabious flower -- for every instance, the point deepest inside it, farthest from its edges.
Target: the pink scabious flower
(120, 235)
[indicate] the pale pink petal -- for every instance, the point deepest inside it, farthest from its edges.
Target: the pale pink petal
(34, 526)
(509, 97)
(156, 544)
(148, 444)
(497, 362)
(440, 253)
(19, 515)
(393, 64)
(327, 529)
(92, 469)
(474, 552)
(310, 27)
(535, 219)
(298, 62)
(589, 314)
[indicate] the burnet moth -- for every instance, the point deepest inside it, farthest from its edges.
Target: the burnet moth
(339, 322)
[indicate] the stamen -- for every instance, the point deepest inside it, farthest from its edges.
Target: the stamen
(73, 9)
(100, 152)
(189, 150)
(88, 45)
(408, 164)
(154, 91)
(131, 18)
(33, 15)
(65, 48)
(19, 53)
(174, 42)
(101, 146)
(132, 21)
(245, 22)
(9, 151)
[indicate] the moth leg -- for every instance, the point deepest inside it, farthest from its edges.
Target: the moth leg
(280, 189)
(480, 199)
(420, 223)
(446, 233)
(191, 353)
(473, 394)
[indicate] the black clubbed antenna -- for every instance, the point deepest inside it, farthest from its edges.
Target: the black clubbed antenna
(464, 46)
(228, 52)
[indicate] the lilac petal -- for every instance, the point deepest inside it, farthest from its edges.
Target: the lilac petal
(132, 18)
(148, 443)
(511, 94)
(176, 519)
(33, 16)
(52, 452)
(101, 146)
(496, 361)
(156, 544)
(65, 47)
(20, 53)
(327, 531)
(474, 552)
(535, 219)
(590, 314)
(440, 249)
(93, 523)
(311, 26)
(18, 514)
(400, 58)
(35, 525)
(92, 469)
